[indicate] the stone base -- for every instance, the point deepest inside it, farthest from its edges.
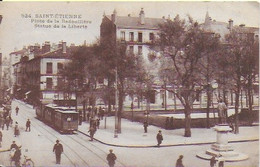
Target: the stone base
(228, 156)
(221, 147)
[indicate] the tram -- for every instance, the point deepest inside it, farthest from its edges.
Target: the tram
(63, 119)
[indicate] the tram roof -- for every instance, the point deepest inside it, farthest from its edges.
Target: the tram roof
(66, 111)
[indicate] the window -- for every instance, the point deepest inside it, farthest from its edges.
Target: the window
(60, 83)
(151, 36)
(140, 37)
(140, 50)
(131, 49)
(60, 67)
(49, 83)
(49, 68)
(122, 36)
(131, 36)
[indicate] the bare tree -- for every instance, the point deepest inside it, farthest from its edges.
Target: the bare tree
(242, 57)
(185, 44)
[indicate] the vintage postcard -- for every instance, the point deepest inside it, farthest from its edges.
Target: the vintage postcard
(129, 84)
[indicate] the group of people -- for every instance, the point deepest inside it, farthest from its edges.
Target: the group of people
(58, 150)
(95, 112)
(5, 119)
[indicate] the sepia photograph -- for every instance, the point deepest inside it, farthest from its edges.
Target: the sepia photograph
(129, 84)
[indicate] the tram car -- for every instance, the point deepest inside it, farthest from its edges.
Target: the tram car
(63, 119)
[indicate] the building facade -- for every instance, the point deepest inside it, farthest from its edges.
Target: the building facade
(39, 80)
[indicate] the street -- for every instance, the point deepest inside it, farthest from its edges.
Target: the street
(79, 151)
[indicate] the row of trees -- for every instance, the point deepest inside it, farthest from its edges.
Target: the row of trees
(194, 57)
(197, 58)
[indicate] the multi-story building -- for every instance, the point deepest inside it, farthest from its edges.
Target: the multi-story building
(139, 32)
(40, 78)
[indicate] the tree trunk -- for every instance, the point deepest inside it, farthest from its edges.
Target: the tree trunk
(241, 99)
(109, 97)
(120, 108)
(187, 121)
(208, 105)
(232, 101)
(249, 90)
(237, 95)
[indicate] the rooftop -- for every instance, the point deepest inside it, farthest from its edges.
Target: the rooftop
(134, 22)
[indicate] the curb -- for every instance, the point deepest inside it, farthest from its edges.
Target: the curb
(168, 145)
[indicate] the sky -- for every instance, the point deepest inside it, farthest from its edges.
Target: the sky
(17, 31)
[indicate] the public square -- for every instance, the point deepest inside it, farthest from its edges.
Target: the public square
(132, 147)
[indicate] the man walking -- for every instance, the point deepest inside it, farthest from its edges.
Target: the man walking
(28, 125)
(92, 131)
(111, 158)
(7, 122)
(179, 162)
(159, 138)
(145, 126)
(16, 110)
(58, 149)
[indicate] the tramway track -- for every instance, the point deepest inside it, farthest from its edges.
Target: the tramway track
(52, 137)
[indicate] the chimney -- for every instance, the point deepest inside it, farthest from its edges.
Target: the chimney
(113, 16)
(63, 47)
(60, 44)
(141, 16)
(46, 47)
(129, 15)
(230, 24)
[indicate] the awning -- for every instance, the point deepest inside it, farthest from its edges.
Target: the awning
(8, 89)
(27, 92)
(18, 89)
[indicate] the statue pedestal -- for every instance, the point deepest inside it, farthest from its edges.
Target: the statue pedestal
(221, 148)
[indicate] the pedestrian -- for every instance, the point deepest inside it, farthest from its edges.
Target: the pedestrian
(16, 110)
(1, 137)
(213, 161)
(145, 126)
(88, 116)
(111, 158)
(2, 121)
(221, 161)
(179, 161)
(28, 125)
(17, 156)
(167, 121)
(102, 113)
(13, 145)
(159, 138)
(222, 109)
(98, 122)
(58, 149)
(16, 130)
(7, 122)
(91, 132)
(171, 123)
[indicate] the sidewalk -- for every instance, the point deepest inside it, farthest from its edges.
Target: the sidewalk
(132, 135)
